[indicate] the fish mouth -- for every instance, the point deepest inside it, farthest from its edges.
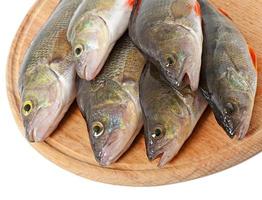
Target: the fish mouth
(174, 81)
(36, 129)
(36, 134)
(91, 74)
(164, 157)
(115, 147)
(108, 156)
(92, 67)
(227, 123)
(242, 127)
(236, 130)
(166, 153)
(174, 77)
(152, 156)
(30, 135)
(86, 72)
(44, 122)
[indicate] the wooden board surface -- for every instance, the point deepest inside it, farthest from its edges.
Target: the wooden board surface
(209, 150)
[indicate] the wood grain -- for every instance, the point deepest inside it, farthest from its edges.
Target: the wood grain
(209, 150)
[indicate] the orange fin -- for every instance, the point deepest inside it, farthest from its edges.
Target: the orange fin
(131, 3)
(197, 9)
(253, 56)
(225, 13)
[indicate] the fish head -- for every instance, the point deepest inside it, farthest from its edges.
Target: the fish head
(234, 113)
(90, 40)
(113, 122)
(166, 123)
(42, 102)
(173, 49)
(234, 104)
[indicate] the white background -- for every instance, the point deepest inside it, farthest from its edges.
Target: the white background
(25, 174)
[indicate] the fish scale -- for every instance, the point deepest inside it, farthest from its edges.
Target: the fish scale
(119, 62)
(42, 47)
(152, 7)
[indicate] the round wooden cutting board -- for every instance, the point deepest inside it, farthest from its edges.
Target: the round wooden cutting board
(209, 150)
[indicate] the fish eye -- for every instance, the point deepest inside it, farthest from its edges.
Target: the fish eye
(157, 133)
(229, 108)
(78, 50)
(171, 60)
(97, 129)
(27, 108)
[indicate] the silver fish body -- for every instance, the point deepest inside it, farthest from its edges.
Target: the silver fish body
(110, 103)
(228, 75)
(47, 75)
(169, 33)
(169, 115)
(93, 32)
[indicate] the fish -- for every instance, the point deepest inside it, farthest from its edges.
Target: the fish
(229, 75)
(110, 103)
(93, 32)
(169, 33)
(47, 75)
(170, 115)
